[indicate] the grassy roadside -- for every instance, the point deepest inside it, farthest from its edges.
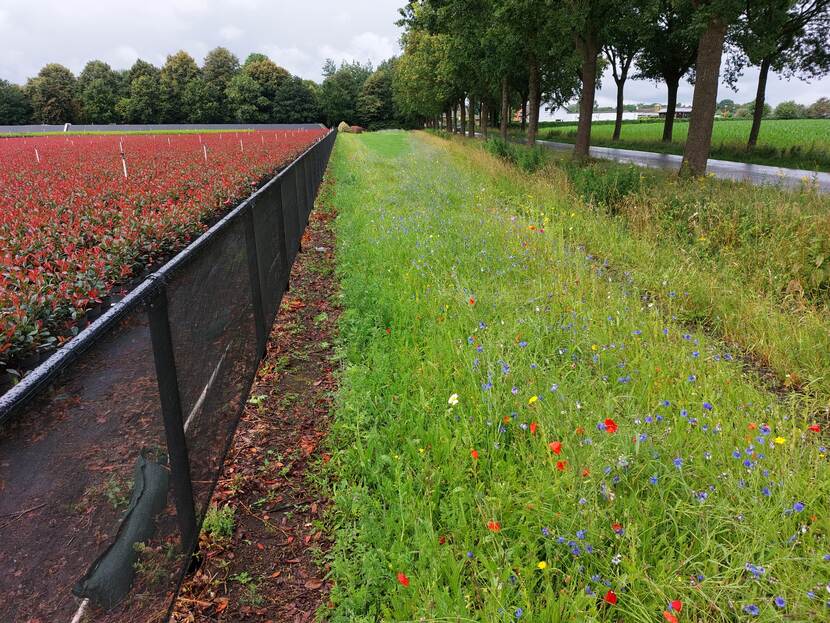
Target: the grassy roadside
(791, 143)
(748, 263)
(519, 437)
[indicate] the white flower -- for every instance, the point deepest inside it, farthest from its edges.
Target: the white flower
(453, 400)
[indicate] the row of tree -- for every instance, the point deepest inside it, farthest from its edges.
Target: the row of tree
(494, 55)
(222, 90)
(820, 109)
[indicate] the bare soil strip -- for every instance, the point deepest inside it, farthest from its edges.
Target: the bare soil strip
(268, 570)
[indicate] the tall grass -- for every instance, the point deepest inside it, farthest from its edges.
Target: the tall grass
(520, 437)
(747, 263)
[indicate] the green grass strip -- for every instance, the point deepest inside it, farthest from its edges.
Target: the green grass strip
(710, 491)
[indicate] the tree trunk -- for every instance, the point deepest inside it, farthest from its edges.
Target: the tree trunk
(463, 116)
(589, 50)
(524, 114)
(485, 117)
(448, 114)
(668, 125)
(705, 98)
(534, 101)
(758, 113)
(471, 128)
(505, 104)
(619, 119)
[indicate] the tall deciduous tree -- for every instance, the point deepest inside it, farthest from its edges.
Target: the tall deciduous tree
(340, 89)
(296, 101)
(589, 22)
(624, 42)
(669, 51)
(245, 99)
(98, 87)
(178, 70)
(786, 36)
(14, 106)
(53, 95)
(712, 19)
(219, 68)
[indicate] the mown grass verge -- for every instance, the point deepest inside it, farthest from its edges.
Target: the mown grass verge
(520, 437)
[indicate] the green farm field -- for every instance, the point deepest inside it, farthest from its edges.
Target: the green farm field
(795, 143)
(542, 418)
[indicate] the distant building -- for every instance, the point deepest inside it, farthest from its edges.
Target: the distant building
(681, 112)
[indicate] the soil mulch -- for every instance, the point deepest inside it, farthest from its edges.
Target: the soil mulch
(269, 568)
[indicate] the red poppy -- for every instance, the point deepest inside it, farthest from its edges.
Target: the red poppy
(442, 539)
(616, 527)
(402, 578)
(610, 598)
(814, 427)
(472, 301)
(556, 446)
(610, 425)
(676, 605)
(586, 472)
(493, 526)
(669, 617)
(560, 465)
(533, 428)
(474, 454)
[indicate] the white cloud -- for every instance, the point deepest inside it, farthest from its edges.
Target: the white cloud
(293, 59)
(229, 33)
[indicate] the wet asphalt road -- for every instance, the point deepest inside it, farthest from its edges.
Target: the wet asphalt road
(725, 169)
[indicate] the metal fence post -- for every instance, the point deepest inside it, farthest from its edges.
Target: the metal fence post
(256, 286)
(171, 412)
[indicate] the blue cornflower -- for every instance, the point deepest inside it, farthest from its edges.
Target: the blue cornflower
(554, 387)
(580, 534)
(752, 610)
(708, 406)
(678, 462)
(519, 612)
(684, 413)
(779, 602)
(666, 403)
(545, 532)
(653, 480)
(765, 492)
(736, 453)
(522, 344)
(692, 378)
(798, 507)
(695, 354)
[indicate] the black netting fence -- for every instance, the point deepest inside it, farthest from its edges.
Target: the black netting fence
(109, 452)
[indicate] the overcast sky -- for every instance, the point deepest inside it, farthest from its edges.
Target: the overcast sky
(299, 35)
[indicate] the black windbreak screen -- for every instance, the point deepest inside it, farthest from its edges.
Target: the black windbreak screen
(67, 476)
(211, 318)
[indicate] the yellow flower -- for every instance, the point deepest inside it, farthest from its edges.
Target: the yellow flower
(541, 565)
(780, 440)
(532, 399)
(421, 450)
(594, 346)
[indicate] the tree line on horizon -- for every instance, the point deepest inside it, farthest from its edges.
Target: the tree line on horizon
(486, 57)
(222, 90)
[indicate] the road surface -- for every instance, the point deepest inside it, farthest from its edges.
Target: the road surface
(725, 169)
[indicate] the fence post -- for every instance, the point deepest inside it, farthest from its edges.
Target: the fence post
(171, 412)
(256, 286)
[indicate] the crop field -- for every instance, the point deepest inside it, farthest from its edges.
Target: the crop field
(796, 143)
(76, 219)
(526, 432)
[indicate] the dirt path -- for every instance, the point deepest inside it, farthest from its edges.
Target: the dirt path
(267, 570)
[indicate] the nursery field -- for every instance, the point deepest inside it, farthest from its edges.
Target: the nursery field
(537, 422)
(80, 215)
(794, 143)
